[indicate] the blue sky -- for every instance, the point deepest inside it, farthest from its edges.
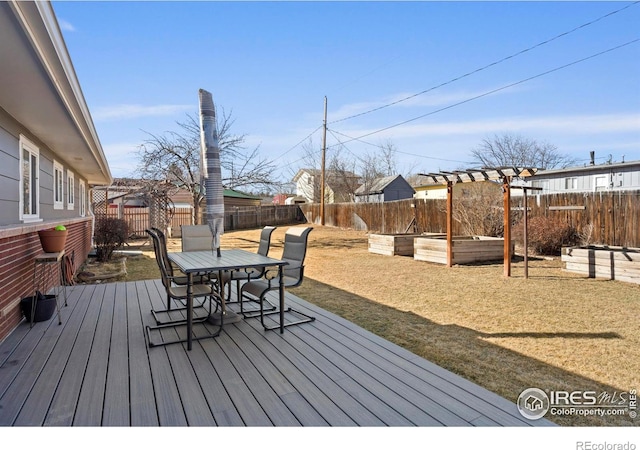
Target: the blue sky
(140, 65)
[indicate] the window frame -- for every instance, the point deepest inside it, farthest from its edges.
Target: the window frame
(600, 188)
(26, 146)
(58, 185)
(574, 183)
(82, 194)
(71, 195)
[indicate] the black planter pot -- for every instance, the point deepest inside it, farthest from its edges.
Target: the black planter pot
(45, 307)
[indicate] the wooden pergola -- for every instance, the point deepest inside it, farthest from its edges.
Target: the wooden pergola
(503, 174)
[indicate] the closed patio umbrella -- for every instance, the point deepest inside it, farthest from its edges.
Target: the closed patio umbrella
(210, 173)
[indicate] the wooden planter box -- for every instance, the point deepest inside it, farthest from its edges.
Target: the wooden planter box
(392, 244)
(611, 263)
(466, 249)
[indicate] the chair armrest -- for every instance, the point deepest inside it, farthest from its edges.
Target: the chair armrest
(271, 272)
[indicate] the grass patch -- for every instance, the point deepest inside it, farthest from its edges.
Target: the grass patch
(554, 331)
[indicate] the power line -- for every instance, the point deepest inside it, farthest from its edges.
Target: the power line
(303, 140)
(584, 25)
(397, 151)
(493, 91)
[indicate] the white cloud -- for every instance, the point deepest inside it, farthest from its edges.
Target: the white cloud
(587, 124)
(119, 112)
(66, 26)
(122, 158)
(436, 98)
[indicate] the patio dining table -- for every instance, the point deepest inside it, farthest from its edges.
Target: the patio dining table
(208, 262)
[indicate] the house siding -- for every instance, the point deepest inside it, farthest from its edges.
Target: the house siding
(618, 177)
(18, 248)
(397, 189)
(10, 132)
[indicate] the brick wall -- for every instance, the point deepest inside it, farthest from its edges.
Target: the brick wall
(18, 248)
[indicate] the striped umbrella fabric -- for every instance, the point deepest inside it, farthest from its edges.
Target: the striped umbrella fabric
(210, 172)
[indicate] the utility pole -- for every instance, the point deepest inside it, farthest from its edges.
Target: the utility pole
(322, 169)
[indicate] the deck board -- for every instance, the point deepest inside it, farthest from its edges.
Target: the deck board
(62, 408)
(96, 369)
(90, 402)
(143, 403)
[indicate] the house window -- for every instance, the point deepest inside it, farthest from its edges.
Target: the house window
(58, 186)
(82, 198)
(71, 200)
(571, 183)
(600, 183)
(29, 180)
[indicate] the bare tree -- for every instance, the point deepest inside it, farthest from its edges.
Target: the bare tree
(518, 151)
(345, 171)
(478, 208)
(175, 157)
(388, 159)
(343, 175)
(340, 173)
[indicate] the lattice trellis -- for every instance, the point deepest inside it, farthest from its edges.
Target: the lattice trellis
(154, 207)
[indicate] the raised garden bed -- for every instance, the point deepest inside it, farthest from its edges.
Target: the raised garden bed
(601, 261)
(394, 244)
(466, 249)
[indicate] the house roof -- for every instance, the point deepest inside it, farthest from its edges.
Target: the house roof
(237, 194)
(589, 168)
(377, 186)
(39, 88)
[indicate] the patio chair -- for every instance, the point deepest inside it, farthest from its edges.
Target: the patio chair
(196, 238)
(250, 273)
(295, 250)
(167, 275)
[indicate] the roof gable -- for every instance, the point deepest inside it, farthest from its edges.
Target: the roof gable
(378, 185)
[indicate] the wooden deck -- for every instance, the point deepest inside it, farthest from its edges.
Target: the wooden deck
(97, 370)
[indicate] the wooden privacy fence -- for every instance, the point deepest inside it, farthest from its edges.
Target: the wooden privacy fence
(400, 216)
(246, 218)
(138, 218)
(610, 218)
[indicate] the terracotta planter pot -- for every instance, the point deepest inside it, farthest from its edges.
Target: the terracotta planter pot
(53, 241)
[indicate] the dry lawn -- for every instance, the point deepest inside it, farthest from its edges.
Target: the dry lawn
(554, 330)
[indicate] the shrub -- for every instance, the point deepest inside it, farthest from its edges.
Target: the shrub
(547, 236)
(109, 234)
(478, 209)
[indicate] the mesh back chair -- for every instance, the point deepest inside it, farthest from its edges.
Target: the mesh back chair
(196, 237)
(250, 273)
(179, 280)
(295, 250)
(201, 285)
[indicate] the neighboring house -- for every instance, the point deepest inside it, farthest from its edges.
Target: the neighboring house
(385, 189)
(50, 155)
(425, 188)
(279, 199)
(438, 191)
(339, 186)
(618, 176)
(295, 200)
